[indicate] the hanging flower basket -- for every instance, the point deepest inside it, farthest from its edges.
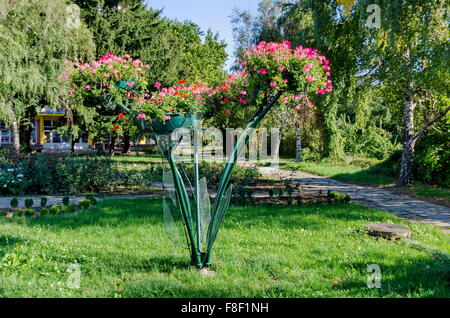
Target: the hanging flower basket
(168, 126)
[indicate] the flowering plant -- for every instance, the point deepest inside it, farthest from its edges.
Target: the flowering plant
(178, 99)
(115, 80)
(270, 68)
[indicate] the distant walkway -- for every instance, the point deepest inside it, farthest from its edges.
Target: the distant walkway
(403, 206)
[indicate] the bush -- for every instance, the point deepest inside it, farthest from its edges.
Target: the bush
(71, 208)
(432, 158)
(14, 203)
(54, 209)
(44, 201)
(86, 204)
(18, 213)
(66, 200)
(63, 209)
(29, 203)
(44, 211)
(334, 196)
(91, 198)
(29, 212)
(66, 174)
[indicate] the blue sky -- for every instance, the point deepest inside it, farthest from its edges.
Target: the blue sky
(213, 14)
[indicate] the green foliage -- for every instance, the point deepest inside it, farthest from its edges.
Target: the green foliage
(35, 41)
(44, 201)
(14, 202)
(72, 174)
(44, 211)
(432, 158)
(91, 198)
(54, 209)
(333, 196)
(29, 212)
(66, 200)
(72, 208)
(86, 204)
(29, 203)
(19, 213)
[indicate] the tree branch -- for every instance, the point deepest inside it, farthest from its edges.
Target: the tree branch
(429, 123)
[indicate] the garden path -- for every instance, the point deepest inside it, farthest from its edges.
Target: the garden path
(403, 206)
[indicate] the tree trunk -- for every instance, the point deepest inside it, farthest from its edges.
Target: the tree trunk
(406, 167)
(298, 141)
(16, 136)
(126, 144)
(112, 146)
(25, 137)
(72, 144)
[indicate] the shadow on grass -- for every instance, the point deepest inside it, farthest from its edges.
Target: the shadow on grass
(8, 242)
(425, 276)
(113, 213)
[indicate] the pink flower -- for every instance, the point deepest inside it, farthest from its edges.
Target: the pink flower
(262, 71)
(157, 84)
(243, 101)
(243, 92)
(167, 118)
(285, 81)
(147, 66)
(281, 69)
(309, 78)
(321, 91)
(88, 87)
(273, 84)
(307, 68)
(106, 75)
(142, 116)
(94, 72)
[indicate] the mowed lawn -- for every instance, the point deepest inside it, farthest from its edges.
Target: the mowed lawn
(308, 251)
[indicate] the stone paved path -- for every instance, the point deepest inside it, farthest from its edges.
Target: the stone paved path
(404, 206)
(56, 199)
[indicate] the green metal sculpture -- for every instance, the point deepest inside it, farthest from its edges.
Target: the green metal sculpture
(273, 74)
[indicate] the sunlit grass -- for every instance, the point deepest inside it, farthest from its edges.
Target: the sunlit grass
(308, 251)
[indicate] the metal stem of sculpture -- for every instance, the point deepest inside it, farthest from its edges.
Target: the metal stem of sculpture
(201, 254)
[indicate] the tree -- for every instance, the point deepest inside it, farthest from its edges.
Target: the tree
(411, 51)
(174, 50)
(35, 40)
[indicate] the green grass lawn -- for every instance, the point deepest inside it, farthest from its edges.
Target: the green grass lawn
(342, 171)
(309, 251)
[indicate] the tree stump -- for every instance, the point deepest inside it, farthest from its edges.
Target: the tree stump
(389, 231)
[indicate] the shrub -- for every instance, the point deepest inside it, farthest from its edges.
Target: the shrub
(63, 209)
(14, 203)
(432, 157)
(66, 200)
(44, 201)
(338, 197)
(29, 203)
(18, 213)
(54, 209)
(29, 212)
(71, 208)
(85, 204)
(44, 211)
(91, 198)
